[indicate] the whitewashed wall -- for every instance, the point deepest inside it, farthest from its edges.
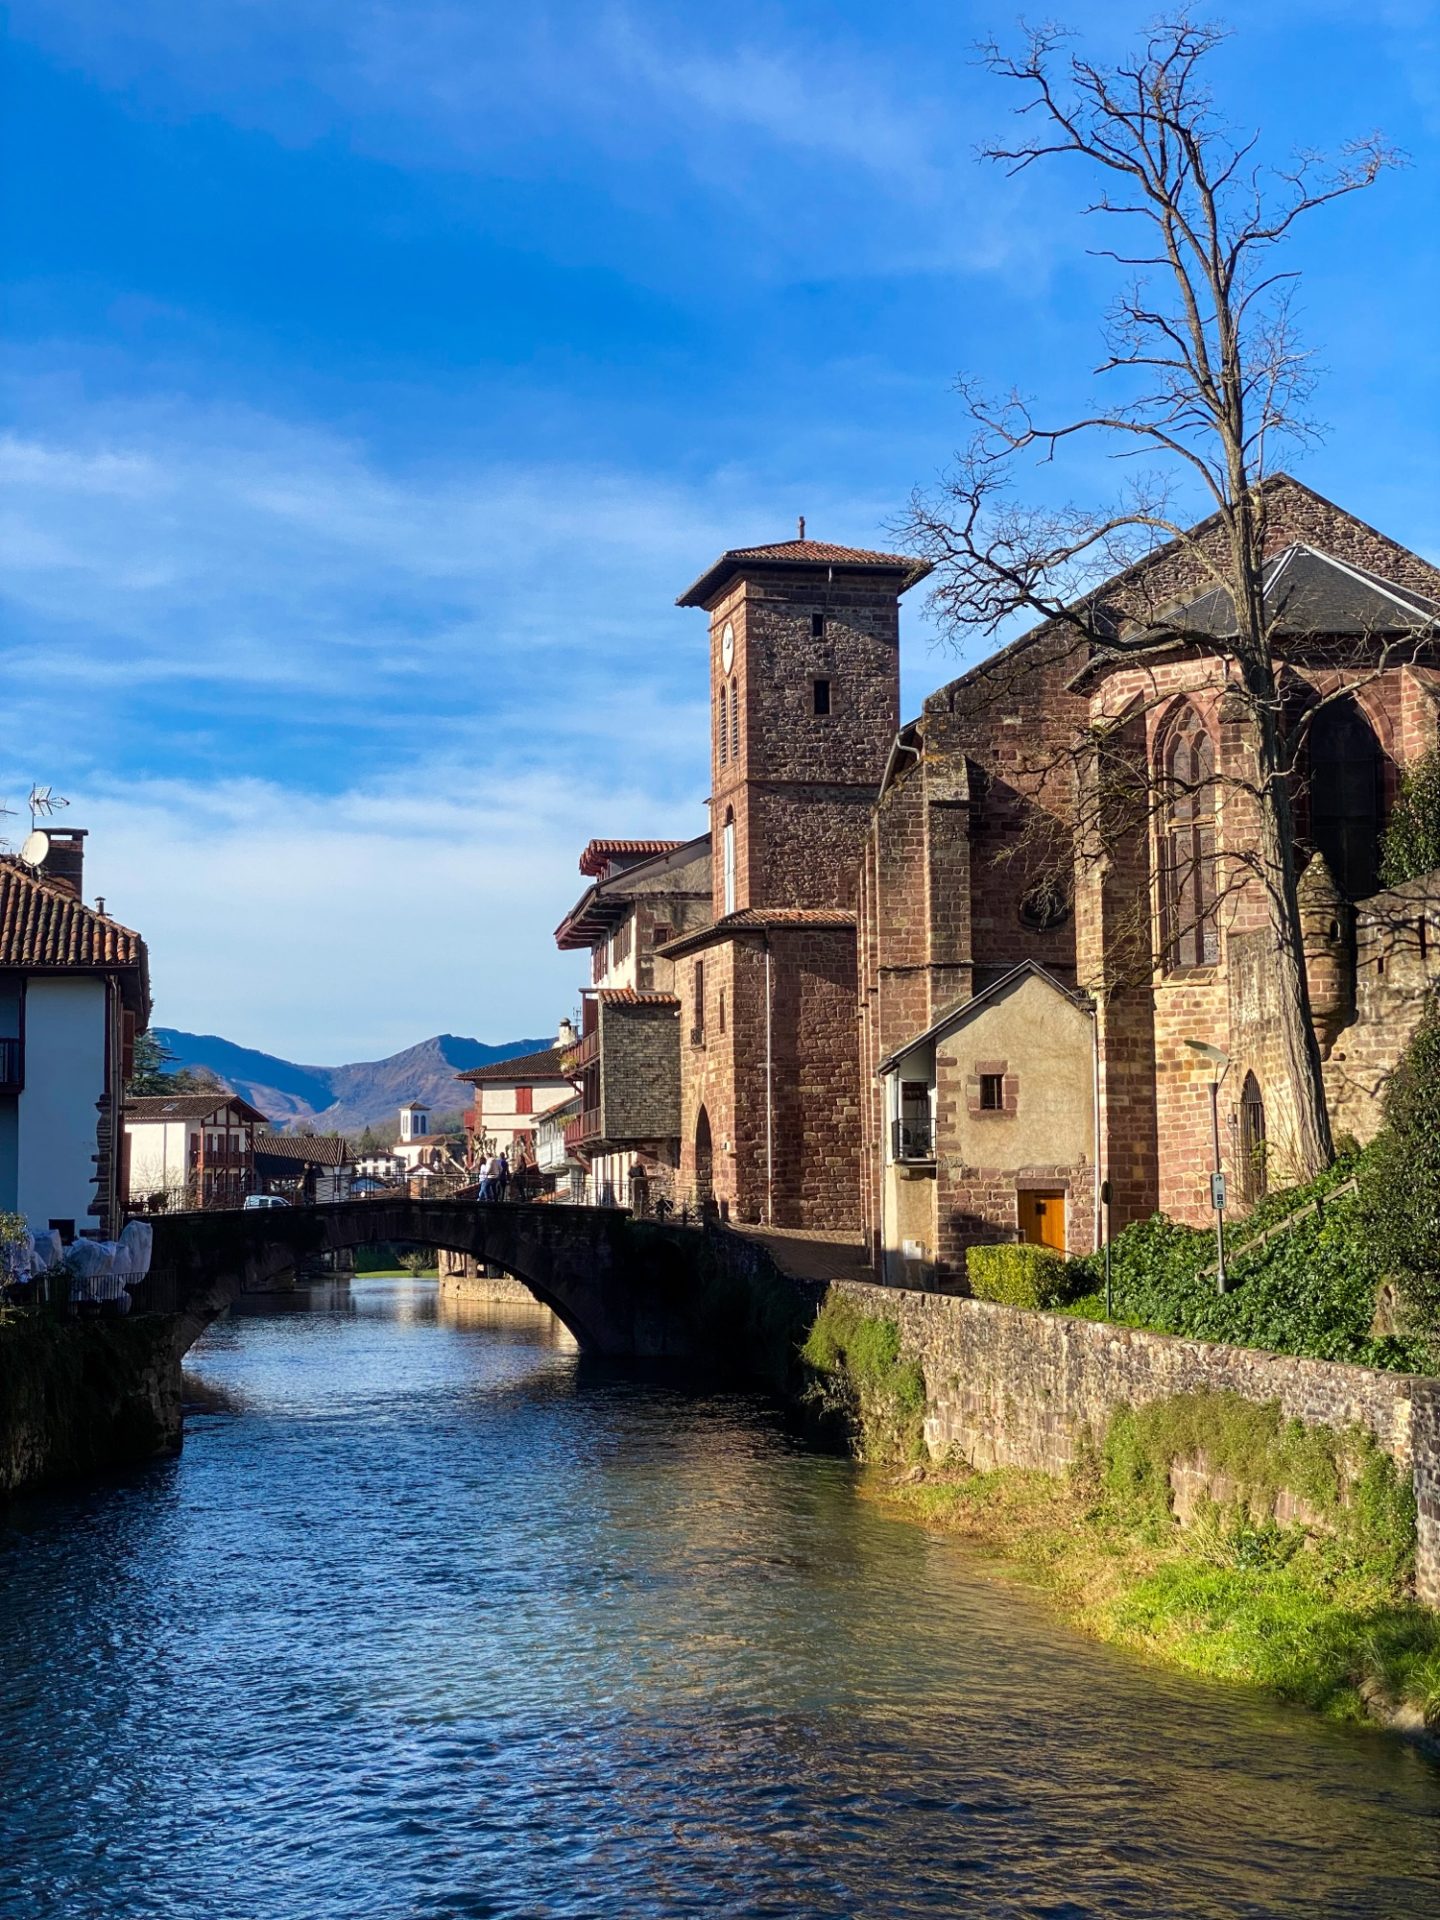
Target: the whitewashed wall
(64, 1081)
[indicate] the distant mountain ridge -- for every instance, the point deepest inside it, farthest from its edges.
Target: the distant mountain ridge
(366, 1093)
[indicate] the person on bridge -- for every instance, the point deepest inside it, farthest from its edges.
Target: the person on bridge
(490, 1179)
(503, 1176)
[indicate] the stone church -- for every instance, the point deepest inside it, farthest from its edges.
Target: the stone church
(1025, 1037)
(930, 1004)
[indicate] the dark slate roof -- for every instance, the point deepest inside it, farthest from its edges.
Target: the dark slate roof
(1308, 592)
(187, 1106)
(310, 1149)
(524, 1067)
(45, 926)
(802, 554)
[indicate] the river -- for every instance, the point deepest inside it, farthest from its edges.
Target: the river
(432, 1619)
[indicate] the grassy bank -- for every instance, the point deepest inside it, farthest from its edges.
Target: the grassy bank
(1317, 1607)
(1229, 1598)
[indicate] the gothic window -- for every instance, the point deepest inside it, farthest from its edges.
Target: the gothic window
(722, 733)
(1187, 851)
(734, 719)
(1345, 796)
(1252, 1140)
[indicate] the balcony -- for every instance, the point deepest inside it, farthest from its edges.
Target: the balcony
(12, 1066)
(584, 1053)
(582, 1129)
(912, 1139)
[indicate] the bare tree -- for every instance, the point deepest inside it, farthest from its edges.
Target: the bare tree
(1206, 376)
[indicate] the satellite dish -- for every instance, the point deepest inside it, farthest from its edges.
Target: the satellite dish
(35, 849)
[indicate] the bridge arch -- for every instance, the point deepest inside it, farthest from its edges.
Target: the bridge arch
(621, 1287)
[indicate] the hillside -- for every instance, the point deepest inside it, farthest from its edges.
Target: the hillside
(348, 1098)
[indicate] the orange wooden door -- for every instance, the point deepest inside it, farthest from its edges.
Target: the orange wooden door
(1042, 1219)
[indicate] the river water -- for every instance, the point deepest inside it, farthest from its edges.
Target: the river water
(431, 1619)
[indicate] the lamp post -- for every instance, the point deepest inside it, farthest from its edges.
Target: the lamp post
(1219, 1067)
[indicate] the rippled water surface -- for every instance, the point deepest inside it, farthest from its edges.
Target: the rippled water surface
(431, 1620)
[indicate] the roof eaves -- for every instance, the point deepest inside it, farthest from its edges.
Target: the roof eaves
(957, 1015)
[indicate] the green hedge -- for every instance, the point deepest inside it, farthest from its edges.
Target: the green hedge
(1018, 1276)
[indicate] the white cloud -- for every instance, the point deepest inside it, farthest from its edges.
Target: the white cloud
(349, 926)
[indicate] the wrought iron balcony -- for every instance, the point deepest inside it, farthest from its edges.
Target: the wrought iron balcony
(912, 1139)
(12, 1066)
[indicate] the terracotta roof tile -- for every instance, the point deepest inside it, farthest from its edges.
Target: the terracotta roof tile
(317, 1149)
(44, 925)
(525, 1066)
(598, 855)
(796, 553)
(631, 996)
(188, 1106)
(756, 920)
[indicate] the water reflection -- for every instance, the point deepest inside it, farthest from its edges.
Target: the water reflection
(445, 1623)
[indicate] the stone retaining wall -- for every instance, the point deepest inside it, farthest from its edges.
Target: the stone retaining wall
(1009, 1388)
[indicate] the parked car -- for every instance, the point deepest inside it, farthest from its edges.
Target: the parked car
(257, 1200)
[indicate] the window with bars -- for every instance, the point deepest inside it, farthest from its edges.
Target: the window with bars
(1189, 930)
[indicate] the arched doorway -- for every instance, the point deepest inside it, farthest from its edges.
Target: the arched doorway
(704, 1162)
(1253, 1178)
(1346, 796)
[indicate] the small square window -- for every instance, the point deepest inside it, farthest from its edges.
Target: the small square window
(822, 696)
(992, 1093)
(817, 626)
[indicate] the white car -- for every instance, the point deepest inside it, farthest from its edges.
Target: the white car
(257, 1200)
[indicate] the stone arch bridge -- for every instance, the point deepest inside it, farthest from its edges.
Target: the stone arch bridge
(626, 1288)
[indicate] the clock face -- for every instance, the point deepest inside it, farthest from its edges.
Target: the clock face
(727, 647)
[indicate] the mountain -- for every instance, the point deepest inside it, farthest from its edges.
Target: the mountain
(350, 1098)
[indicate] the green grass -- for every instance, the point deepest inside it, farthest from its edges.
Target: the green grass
(1321, 1614)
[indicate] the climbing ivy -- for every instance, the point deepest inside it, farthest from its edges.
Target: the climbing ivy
(1411, 843)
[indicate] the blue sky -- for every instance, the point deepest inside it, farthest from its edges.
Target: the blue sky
(376, 374)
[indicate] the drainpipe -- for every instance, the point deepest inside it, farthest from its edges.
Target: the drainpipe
(1095, 1060)
(769, 1096)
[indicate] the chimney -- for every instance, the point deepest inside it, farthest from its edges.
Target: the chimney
(567, 1035)
(64, 864)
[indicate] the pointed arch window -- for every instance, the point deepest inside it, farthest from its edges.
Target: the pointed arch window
(1187, 854)
(1252, 1140)
(722, 733)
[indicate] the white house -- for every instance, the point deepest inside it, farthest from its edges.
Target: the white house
(74, 992)
(511, 1096)
(190, 1149)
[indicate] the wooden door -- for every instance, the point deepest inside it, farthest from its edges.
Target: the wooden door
(1042, 1219)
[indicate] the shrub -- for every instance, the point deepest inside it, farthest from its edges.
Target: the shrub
(1400, 1183)
(1018, 1275)
(1411, 843)
(1310, 1290)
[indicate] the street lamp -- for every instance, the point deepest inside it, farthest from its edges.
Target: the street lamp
(1219, 1067)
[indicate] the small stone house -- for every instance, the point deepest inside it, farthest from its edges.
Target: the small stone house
(990, 1130)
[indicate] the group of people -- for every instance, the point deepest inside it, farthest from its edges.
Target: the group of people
(494, 1178)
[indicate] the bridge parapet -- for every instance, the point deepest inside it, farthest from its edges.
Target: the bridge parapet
(623, 1287)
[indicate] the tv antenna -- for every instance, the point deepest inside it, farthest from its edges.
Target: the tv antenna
(44, 802)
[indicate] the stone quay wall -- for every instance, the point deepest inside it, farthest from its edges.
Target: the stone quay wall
(1011, 1388)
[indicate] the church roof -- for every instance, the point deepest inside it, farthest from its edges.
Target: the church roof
(1307, 592)
(804, 554)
